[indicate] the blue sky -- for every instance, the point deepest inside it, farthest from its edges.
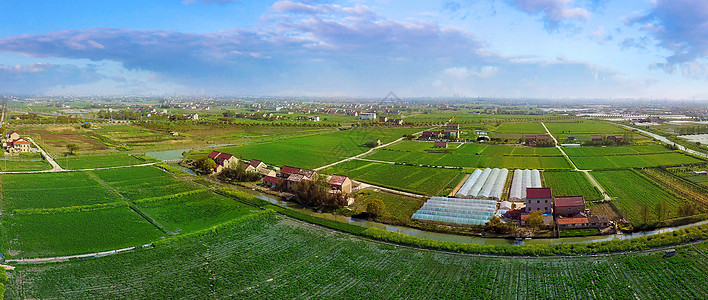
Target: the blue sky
(475, 48)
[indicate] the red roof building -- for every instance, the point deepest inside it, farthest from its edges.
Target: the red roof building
(542, 193)
(539, 199)
(341, 183)
(568, 223)
(287, 171)
(440, 145)
(213, 154)
(568, 206)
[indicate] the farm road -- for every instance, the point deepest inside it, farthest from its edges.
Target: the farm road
(575, 168)
(55, 166)
(362, 154)
(79, 170)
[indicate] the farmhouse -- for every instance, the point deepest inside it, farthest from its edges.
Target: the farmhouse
(571, 138)
(616, 138)
(571, 223)
(272, 182)
(340, 184)
(431, 135)
(13, 143)
(568, 206)
(367, 116)
(539, 199)
(596, 138)
(440, 145)
(257, 165)
(226, 160)
(287, 171)
(530, 140)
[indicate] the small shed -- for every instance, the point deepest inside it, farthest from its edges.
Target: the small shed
(505, 205)
(440, 145)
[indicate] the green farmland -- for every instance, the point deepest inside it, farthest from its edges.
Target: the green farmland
(583, 127)
(99, 161)
(635, 195)
(566, 183)
(314, 150)
(632, 161)
(473, 156)
(427, 181)
(20, 164)
(521, 128)
(267, 256)
(66, 213)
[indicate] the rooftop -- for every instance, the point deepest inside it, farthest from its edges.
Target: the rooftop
(566, 221)
(533, 193)
(569, 201)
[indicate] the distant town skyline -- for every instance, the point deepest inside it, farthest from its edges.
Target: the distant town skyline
(648, 49)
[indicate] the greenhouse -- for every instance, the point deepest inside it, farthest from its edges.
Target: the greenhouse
(458, 211)
(488, 183)
(523, 179)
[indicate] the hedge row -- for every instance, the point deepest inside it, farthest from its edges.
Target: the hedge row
(677, 237)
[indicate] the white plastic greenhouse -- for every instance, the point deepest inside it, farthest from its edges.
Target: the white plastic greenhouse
(487, 183)
(523, 179)
(465, 189)
(459, 211)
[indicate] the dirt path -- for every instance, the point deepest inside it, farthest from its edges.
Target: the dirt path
(66, 258)
(459, 185)
(362, 154)
(363, 185)
(575, 168)
(55, 166)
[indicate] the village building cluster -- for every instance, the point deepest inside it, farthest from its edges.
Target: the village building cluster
(284, 179)
(568, 212)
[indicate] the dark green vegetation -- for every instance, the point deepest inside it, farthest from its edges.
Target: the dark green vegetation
(53, 214)
(266, 256)
(567, 183)
(315, 150)
(422, 180)
(615, 157)
(638, 199)
(100, 161)
(473, 156)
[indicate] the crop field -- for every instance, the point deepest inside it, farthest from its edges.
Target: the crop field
(193, 211)
(98, 161)
(686, 189)
(398, 209)
(15, 164)
(39, 234)
(52, 214)
(632, 161)
(51, 190)
(55, 138)
(567, 183)
(267, 256)
(634, 194)
(616, 150)
(475, 156)
(575, 127)
(315, 150)
(428, 181)
(522, 128)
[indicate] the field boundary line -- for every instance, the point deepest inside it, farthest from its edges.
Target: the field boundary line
(41, 260)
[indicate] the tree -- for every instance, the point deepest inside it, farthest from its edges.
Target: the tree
(686, 210)
(205, 164)
(72, 148)
(497, 226)
(660, 211)
(535, 219)
(375, 207)
(645, 212)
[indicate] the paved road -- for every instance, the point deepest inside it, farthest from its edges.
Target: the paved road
(55, 166)
(575, 168)
(667, 141)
